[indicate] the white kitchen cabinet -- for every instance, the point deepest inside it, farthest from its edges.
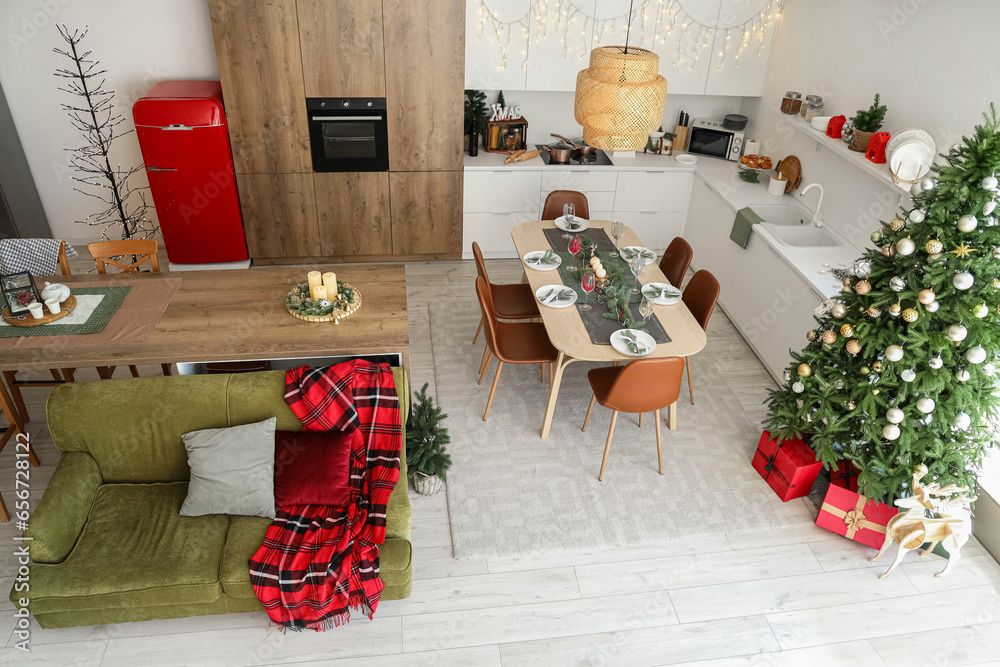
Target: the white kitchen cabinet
(746, 78)
(492, 232)
(594, 180)
(656, 229)
(501, 191)
(596, 201)
(653, 191)
(482, 53)
(684, 58)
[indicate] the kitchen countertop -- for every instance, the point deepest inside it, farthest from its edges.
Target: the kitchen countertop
(640, 162)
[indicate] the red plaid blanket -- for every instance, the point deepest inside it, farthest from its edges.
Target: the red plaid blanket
(318, 561)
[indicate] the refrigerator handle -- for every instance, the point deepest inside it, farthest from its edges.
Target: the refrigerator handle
(177, 127)
(148, 168)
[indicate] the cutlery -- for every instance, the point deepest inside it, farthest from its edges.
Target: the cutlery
(548, 297)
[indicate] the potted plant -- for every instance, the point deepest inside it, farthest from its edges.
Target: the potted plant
(426, 438)
(476, 113)
(866, 123)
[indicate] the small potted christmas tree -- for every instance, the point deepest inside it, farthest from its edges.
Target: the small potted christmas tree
(426, 438)
(866, 123)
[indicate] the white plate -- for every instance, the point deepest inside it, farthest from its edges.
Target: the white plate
(648, 254)
(907, 136)
(820, 122)
(618, 341)
(686, 158)
(582, 224)
(911, 160)
(673, 294)
(564, 300)
(553, 264)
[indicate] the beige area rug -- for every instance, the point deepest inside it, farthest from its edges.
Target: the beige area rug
(512, 493)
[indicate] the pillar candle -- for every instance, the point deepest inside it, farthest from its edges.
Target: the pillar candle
(315, 280)
(330, 283)
(318, 292)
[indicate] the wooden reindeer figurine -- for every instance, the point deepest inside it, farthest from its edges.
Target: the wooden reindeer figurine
(933, 514)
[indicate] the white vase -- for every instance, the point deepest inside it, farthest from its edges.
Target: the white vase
(426, 485)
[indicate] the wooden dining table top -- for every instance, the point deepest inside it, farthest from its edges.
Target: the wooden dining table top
(566, 329)
(237, 315)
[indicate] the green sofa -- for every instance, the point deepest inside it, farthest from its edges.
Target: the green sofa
(109, 545)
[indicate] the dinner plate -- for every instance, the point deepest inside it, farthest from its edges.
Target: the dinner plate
(556, 296)
(647, 254)
(911, 160)
(905, 137)
(581, 224)
(662, 294)
(553, 264)
(619, 341)
(686, 158)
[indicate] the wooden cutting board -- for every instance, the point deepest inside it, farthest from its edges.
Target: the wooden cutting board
(791, 169)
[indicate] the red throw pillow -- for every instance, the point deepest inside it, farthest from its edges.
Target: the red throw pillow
(313, 467)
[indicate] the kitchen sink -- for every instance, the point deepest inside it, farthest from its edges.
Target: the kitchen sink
(782, 214)
(801, 236)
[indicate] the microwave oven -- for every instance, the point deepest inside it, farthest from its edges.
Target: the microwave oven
(712, 138)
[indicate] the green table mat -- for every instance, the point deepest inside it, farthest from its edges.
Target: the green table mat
(105, 310)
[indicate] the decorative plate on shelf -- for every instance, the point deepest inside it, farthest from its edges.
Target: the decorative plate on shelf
(542, 260)
(301, 306)
(911, 160)
(662, 294)
(578, 225)
(906, 136)
(556, 296)
(629, 252)
(632, 342)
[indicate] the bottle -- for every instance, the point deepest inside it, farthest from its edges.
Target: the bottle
(474, 143)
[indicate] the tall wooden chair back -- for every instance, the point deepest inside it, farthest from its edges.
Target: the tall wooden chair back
(489, 314)
(701, 295)
(646, 385)
(554, 204)
(676, 260)
(477, 254)
(145, 250)
(63, 261)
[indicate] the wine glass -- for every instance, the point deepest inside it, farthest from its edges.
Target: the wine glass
(574, 247)
(646, 307)
(617, 229)
(569, 212)
(637, 265)
(588, 283)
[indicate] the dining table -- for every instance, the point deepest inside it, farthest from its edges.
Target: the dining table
(566, 328)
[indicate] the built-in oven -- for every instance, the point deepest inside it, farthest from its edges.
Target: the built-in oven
(714, 139)
(348, 133)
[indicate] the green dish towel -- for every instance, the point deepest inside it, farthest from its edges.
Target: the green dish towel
(745, 220)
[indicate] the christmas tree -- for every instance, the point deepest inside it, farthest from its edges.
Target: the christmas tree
(426, 438)
(900, 368)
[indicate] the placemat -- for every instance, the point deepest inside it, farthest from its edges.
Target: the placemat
(95, 306)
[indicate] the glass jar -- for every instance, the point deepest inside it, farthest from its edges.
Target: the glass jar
(791, 102)
(815, 109)
(807, 101)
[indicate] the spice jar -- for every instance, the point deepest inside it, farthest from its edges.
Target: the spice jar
(791, 102)
(815, 109)
(806, 102)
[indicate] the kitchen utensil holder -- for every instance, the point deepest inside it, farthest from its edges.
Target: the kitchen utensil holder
(680, 141)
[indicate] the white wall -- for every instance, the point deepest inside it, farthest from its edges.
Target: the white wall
(138, 42)
(934, 64)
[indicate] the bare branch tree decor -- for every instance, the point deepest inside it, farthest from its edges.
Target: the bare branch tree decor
(95, 116)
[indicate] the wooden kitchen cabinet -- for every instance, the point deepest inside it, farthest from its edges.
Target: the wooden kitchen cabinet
(353, 213)
(426, 212)
(424, 70)
(260, 65)
(279, 214)
(342, 52)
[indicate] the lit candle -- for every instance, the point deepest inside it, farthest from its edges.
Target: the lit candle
(601, 273)
(330, 283)
(318, 292)
(315, 280)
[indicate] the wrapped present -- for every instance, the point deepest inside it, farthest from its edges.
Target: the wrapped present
(790, 468)
(845, 475)
(854, 516)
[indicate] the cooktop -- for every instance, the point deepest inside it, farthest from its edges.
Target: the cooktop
(598, 158)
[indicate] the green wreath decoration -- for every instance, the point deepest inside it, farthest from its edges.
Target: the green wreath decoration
(300, 303)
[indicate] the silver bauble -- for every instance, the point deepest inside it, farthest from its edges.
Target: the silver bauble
(935, 362)
(957, 333)
(862, 268)
(981, 310)
(787, 376)
(962, 375)
(963, 280)
(890, 431)
(989, 207)
(976, 354)
(928, 183)
(894, 353)
(962, 421)
(894, 415)
(917, 216)
(916, 189)
(989, 369)
(925, 404)
(967, 223)
(906, 246)
(932, 307)
(909, 375)
(798, 387)
(990, 183)
(897, 284)
(839, 310)
(996, 251)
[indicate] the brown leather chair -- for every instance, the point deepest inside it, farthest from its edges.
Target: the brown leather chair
(510, 302)
(676, 260)
(644, 385)
(511, 342)
(700, 297)
(554, 204)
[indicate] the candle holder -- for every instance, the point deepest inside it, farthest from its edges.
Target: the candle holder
(302, 306)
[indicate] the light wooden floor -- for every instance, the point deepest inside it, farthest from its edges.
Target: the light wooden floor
(786, 598)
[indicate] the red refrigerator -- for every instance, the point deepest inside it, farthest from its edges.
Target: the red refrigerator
(181, 126)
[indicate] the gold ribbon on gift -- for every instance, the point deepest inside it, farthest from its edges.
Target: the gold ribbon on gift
(854, 519)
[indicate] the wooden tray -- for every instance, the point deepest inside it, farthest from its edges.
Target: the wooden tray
(26, 320)
(791, 169)
(337, 314)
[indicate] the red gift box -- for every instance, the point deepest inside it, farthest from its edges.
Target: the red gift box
(845, 475)
(790, 468)
(855, 517)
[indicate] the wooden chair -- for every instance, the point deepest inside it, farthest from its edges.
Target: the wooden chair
(676, 260)
(511, 342)
(554, 204)
(512, 302)
(142, 250)
(700, 297)
(15, 426)
(644, 385)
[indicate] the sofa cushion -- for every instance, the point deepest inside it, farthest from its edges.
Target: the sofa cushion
(313, 467)
(136, 550)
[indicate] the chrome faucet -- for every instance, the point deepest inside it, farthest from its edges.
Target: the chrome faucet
(816, 221)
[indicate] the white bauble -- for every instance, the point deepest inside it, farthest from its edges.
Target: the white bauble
(894, 415)
(917, 215)
(988, 207)
(897, 284)
(926, 296)
(962, 421)
(909, 375)
(957, 333)
(981, 310)
(862, 268)
(967, 223)
(989, 369)
(890, 431)
(935, 362)
(925, 404)
(963, 280)
(894, 353)
(787, 375)
(906, 246)
(839, 310)
(976, 355)
(798, 387)
(928, 183)
(990, 183)
(962, 375)
(932, 307)
(916, 189)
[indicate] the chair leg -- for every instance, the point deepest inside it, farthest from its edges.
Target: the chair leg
(166, 369)
(640, 420)
(659, 448)
(15, 395)
(134, 370)
(672, 417)
(106, 372)
(482, 362)
(4, 514)
(486, 365)
(478, 331)
(687, 362)
(493, 389)
(607, 445)
(593, 399)
(541, 367)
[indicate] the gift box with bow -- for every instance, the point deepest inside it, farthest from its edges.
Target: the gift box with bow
(790, 468)
(845, 475)
(854, 516)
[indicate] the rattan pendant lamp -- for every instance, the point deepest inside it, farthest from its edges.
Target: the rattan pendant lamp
(620, 97)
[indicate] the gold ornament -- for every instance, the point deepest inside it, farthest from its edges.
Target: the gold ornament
(853, 346)
(897, 224)
(910, 314)
(895, 309)
(829, 337)
(847, 330)
(804, 370)
(878, 365)
(996, 283)
(811, 335)
(863, 287)
(926, 296)
(851, 405)
(847, 281)
(962, 250)
(873, 312)
(933, 247)
(889, 250)
(875, 392)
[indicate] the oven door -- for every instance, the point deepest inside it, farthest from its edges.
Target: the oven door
(714, 143)
(349, 140)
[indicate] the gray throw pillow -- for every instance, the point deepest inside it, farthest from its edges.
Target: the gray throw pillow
(232, 470)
